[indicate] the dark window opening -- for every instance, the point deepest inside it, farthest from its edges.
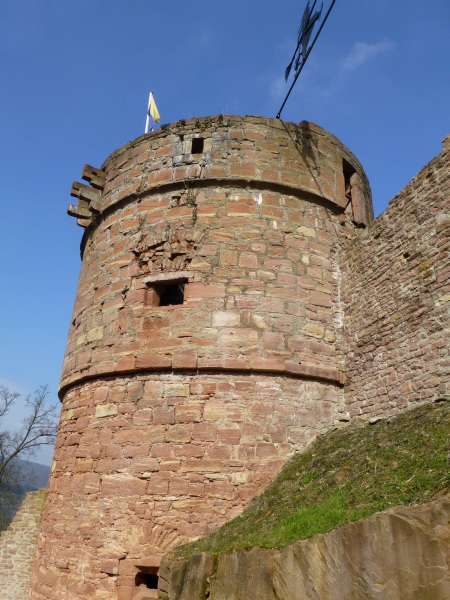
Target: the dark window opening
(172, 294)
(168, 293)
(348, 172)
(197, 146)
(147, 577)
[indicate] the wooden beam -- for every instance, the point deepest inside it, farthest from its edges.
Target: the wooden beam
(75, 189)
(85, 192)
(84, 222)
(80, 212)
(95, 206)
(96, 177)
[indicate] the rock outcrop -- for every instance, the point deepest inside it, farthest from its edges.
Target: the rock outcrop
(400, 554)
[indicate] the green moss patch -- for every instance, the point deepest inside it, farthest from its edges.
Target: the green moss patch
(345, 475)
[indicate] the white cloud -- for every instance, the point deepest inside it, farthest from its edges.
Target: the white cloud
(205, 36)
(362, 52)
(278, 88)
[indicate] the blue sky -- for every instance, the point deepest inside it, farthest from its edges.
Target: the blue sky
(74, 83)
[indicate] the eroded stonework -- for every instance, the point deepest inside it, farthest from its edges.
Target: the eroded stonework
(216, 331)
(18, 547)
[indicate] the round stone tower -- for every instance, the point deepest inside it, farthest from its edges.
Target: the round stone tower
(205, 344)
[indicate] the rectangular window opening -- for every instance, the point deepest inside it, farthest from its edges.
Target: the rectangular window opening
(147, 577)
(348, 172)
(172, 294)
(167, 293)
(197, 145)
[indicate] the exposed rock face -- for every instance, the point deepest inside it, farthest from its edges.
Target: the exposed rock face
(400, 554)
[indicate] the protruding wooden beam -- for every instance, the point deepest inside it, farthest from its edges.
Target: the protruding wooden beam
(96, 177)
(75, 190)
(95, 207)
(84, 222)
(79, 211)
(85, 192)
(89, 196)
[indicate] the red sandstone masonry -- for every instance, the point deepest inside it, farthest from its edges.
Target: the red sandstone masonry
(396, 295)
(227, 273)
(175, 417)
(155, 462)
(18, 545)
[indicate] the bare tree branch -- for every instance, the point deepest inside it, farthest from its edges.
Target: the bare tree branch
(38, 429)
(7, 398)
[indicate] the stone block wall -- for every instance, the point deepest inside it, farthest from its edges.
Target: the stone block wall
(176, 414)
(143, 464)
(396, 299)
(230, 306)
(251, 224)
(18, 544)
(259, 289)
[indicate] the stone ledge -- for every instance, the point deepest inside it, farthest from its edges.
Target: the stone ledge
(165, 364)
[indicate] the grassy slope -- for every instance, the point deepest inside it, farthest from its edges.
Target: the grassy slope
(346, 475)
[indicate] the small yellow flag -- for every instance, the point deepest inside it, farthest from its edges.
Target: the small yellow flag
(152, 109)
(152, 114)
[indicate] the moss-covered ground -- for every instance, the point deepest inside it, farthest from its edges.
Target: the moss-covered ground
(345, 475)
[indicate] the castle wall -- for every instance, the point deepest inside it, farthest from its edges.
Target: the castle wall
(396, 299)
(145, 463)
(175, 416)
(18, 544)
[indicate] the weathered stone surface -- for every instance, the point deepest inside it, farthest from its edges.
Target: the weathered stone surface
(106, 410)
(400, 554)
(177, 413)
(241, 249)
(18, 545)
(395, 300)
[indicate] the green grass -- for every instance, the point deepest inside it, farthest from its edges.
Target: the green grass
(346, 475)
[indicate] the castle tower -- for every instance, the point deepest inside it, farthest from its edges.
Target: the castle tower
(205, 342)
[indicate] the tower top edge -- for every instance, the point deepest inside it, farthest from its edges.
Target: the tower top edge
(216, 123)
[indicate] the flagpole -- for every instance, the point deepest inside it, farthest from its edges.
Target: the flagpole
(148, 109)
(306, 58)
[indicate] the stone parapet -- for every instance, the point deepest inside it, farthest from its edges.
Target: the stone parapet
(235, 150)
